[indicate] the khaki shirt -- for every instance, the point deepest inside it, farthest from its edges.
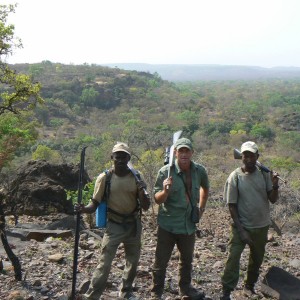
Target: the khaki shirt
(249, 192)
(123, 192)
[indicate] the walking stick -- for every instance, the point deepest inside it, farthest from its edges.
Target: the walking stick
(77, 230)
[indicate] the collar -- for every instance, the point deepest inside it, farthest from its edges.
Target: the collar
(179, 171)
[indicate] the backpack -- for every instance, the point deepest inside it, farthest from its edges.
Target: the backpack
(102, 209)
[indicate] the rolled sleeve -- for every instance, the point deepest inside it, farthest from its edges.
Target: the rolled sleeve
(99, 187)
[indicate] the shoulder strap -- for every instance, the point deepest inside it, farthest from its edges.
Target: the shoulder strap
(264, 174)
(236, 177)
(108, 175)
(187, 191)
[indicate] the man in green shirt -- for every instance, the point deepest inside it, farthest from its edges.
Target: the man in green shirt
(248, 191)
(187, 187)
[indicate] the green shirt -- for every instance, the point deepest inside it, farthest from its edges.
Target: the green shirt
(249, 192)
(174, 215)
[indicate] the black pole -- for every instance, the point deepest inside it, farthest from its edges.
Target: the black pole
(77, 230)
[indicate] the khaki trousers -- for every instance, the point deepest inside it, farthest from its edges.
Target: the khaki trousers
(130, 235)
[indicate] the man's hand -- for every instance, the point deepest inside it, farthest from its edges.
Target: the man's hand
(245, 237)
(201, 212)
(78, 208)
(167, 183)
(275, 178)
(141, 185)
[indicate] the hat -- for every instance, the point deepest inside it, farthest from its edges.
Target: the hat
(121, 147)
(183, 142)
(249, 146)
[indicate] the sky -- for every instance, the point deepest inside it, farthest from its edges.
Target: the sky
(261, 33)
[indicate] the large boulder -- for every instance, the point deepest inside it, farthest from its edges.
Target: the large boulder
(39, 188)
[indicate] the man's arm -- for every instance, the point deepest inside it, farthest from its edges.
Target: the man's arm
(161, 196)
(97, 194)
(88, 209)
(202, 200)
(143, 195)
(242, 232)
(203, 197)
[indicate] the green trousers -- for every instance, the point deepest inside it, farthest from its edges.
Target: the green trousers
(230, 277)
(166, 242)
(130, 235)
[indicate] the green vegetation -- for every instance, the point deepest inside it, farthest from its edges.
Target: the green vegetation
(87, 193)
(18, 96)
(95, 106)
(217, 115)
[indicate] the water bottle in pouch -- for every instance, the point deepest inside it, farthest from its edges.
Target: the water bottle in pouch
(101, 213)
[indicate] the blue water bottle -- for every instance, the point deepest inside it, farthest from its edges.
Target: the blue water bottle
(101, 213)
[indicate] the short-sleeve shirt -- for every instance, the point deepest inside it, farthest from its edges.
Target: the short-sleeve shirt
(174, 215)
(123, 193)
(250, 192)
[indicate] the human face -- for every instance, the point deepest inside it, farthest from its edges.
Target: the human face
(120, 159)
(184, 156)
(249, 160)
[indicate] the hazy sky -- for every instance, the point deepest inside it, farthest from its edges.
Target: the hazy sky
(230, 32)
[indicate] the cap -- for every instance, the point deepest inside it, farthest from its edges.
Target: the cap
(249, 146)
(121, 147)
(183, 142)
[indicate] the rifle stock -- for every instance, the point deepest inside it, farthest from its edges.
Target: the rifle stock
(134, 172)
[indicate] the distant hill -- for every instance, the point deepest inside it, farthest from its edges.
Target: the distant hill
(182, 72)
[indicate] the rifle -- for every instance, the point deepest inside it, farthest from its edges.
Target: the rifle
(137, 178)
(170, 153)
(77, 230)
(238, 155)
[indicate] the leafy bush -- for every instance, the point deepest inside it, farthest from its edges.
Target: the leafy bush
(87, 193)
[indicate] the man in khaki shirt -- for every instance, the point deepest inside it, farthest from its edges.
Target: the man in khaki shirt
(126, 197)
(248, 191)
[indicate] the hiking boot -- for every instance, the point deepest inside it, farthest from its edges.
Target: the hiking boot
(128, 296)
(226, 295)
(80, 297)
(155, 296)
(249, 290)
(192, 294)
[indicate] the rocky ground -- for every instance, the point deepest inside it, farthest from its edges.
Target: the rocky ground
(47, 266)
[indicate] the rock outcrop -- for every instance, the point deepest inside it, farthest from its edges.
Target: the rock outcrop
(39, 188)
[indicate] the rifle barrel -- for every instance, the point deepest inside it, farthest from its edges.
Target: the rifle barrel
(267, 170)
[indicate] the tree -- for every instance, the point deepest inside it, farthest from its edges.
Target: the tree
(14, 133)
(89, 96)
(46, 153)
(18, 94)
